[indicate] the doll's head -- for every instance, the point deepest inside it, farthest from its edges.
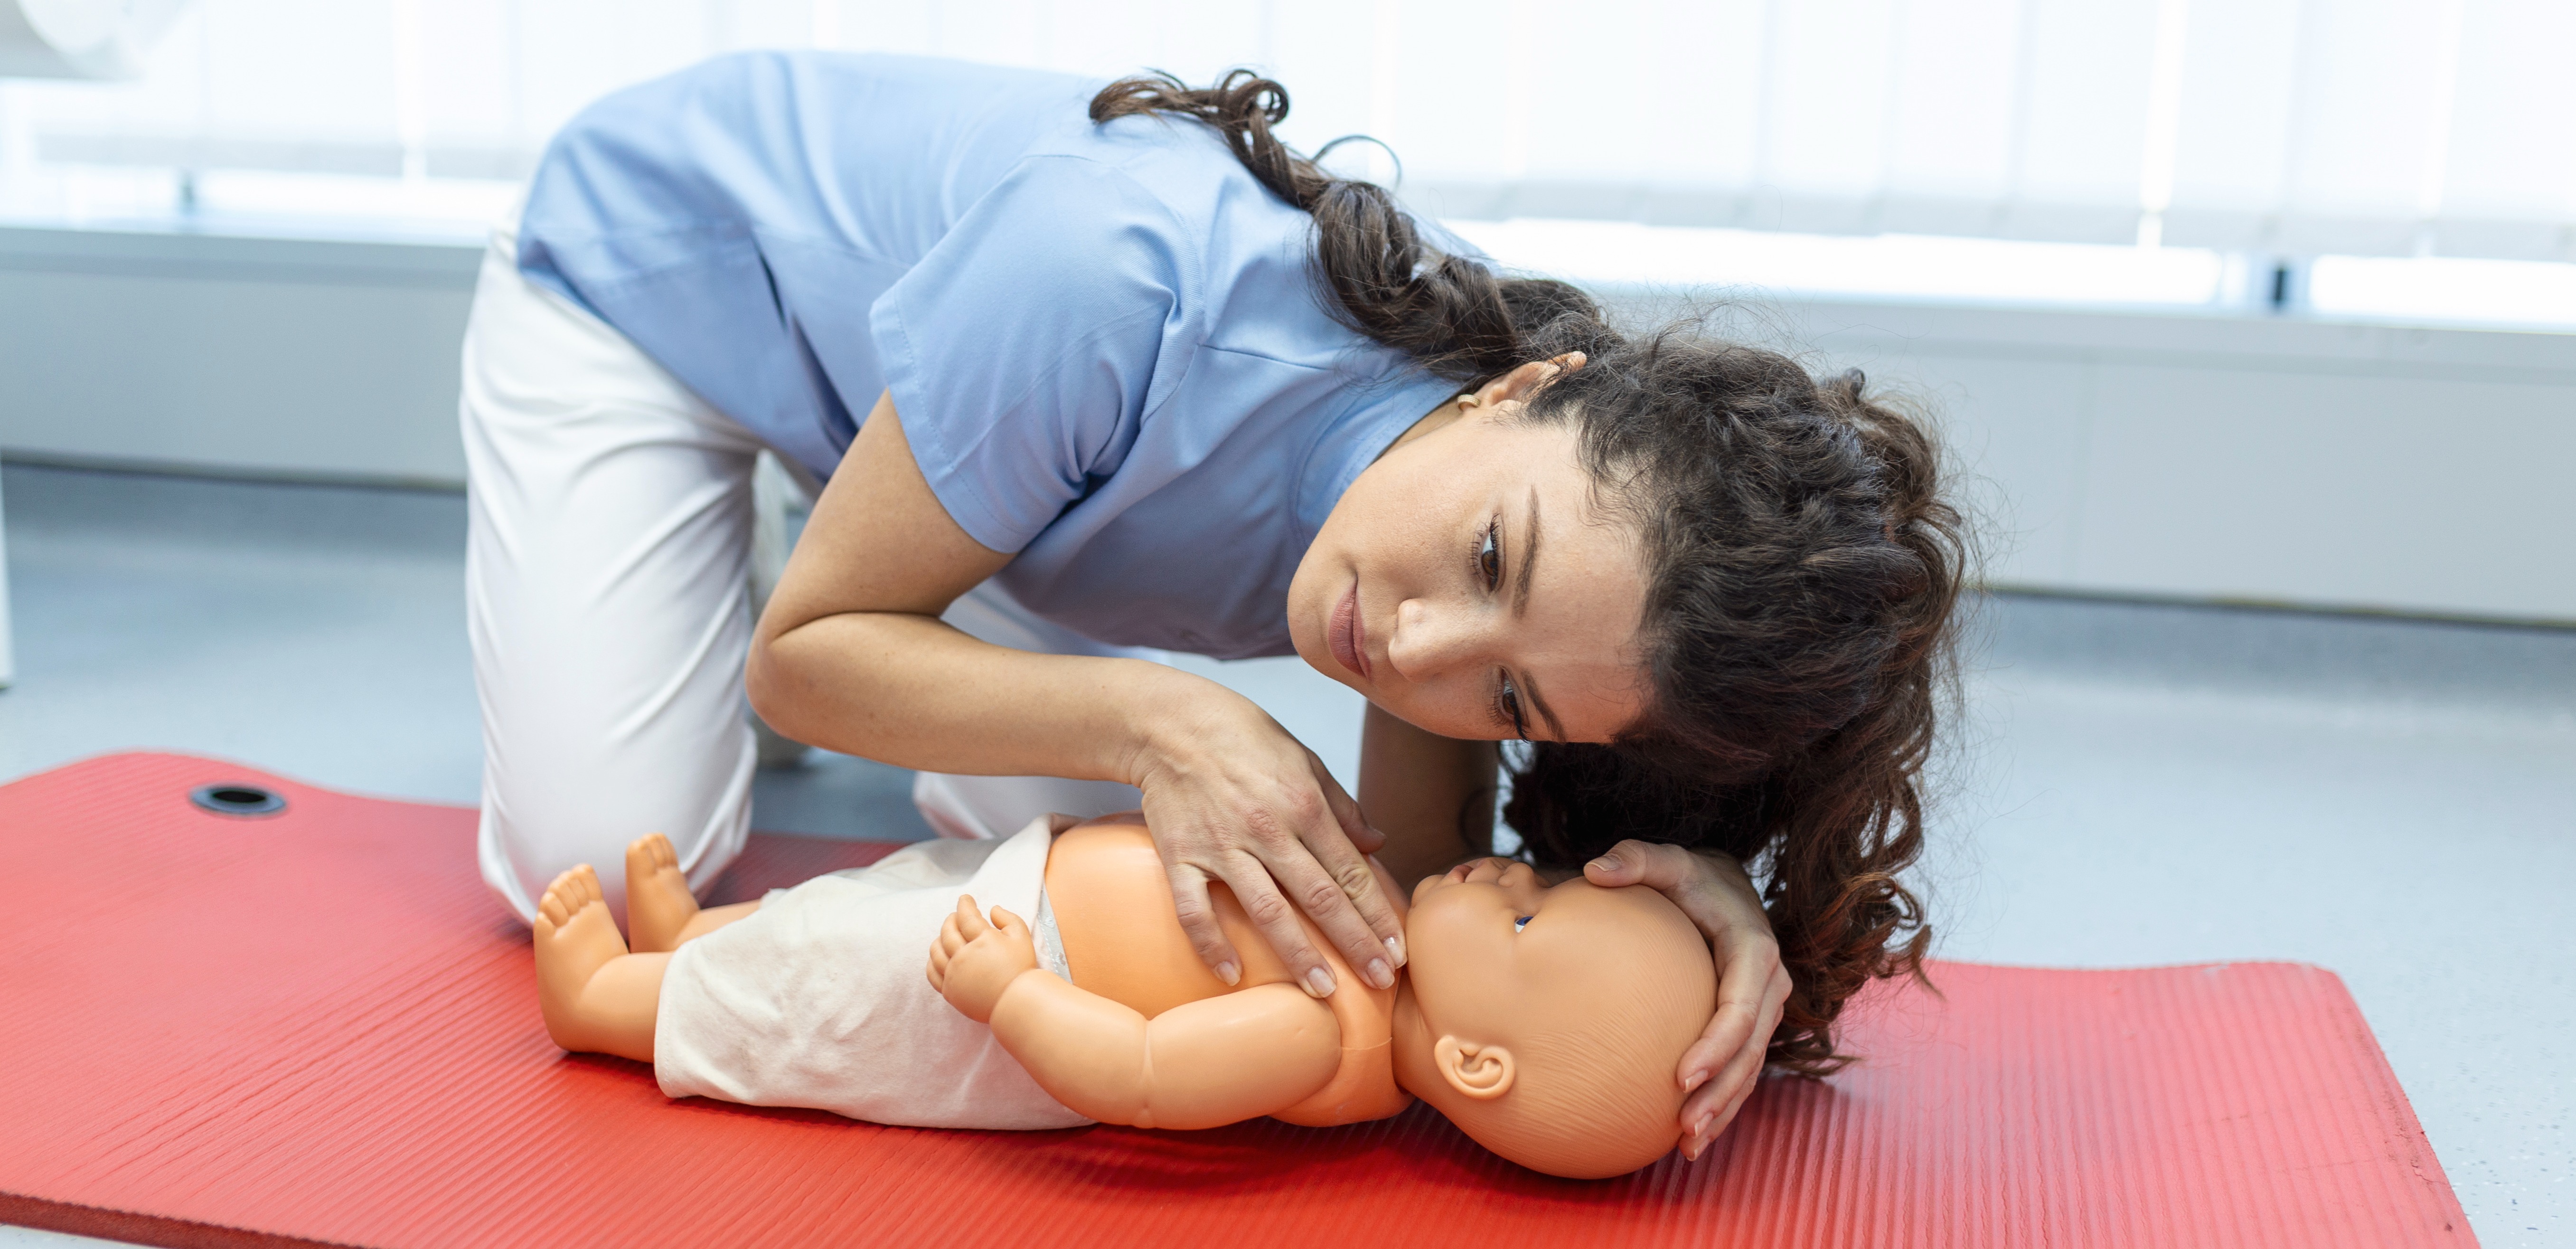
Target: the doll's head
(1549, 1023)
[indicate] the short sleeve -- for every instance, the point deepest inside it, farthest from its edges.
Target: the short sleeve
(1027, 347)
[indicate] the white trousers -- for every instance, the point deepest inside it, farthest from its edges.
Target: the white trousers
(608, 601)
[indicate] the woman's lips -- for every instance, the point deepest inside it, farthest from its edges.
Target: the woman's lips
(1348, 636)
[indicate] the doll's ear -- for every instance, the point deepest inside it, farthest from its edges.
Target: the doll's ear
(1482, 1072)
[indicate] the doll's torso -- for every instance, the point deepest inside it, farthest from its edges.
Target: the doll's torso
(1122, 940)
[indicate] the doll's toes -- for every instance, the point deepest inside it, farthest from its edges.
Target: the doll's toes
(563, 899)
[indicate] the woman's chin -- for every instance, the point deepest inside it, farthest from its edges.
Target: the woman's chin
(1316, 657)
(1322, 661)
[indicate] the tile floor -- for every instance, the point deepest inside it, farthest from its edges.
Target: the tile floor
(2132, 783)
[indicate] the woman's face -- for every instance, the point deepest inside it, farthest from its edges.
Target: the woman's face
(1467, 584)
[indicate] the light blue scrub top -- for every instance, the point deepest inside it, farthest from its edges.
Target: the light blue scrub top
(1105, 342)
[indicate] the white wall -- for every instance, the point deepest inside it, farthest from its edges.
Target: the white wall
(2248, 458)
(254, 355)
(2197, 456)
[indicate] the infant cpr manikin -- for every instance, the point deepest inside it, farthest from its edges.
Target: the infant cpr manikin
(1546, 1022)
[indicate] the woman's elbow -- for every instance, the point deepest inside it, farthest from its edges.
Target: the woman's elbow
(766, 684)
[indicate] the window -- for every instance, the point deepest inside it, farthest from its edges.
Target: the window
(2218, 134)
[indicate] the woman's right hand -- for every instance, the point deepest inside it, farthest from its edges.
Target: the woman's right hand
(1720, 1070)
(852, 656)
(1231, 796)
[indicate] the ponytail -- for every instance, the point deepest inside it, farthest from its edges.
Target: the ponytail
(1449, 313)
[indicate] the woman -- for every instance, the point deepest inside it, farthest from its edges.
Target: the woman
(1093, 371)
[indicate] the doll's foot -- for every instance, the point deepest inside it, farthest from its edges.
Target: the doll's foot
(658, 902)
(576, 936)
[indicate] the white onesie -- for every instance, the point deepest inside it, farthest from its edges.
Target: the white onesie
(822, 999)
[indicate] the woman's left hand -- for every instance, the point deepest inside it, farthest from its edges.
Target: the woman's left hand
(1721, 1069)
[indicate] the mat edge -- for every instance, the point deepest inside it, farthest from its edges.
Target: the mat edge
(257, 772)
(75, 1219)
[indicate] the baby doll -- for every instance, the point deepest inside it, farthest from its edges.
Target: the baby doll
(1546, 1022)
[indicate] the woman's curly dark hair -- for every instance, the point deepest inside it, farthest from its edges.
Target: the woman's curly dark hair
(1803, 570)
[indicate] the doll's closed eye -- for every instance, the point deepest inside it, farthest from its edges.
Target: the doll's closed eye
(1521, 923)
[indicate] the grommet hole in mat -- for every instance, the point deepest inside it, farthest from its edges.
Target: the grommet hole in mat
(235, 798)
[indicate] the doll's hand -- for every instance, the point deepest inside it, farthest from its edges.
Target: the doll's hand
(1721, 1069)
(973, 961)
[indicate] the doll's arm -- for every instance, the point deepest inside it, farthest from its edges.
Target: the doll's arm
(1203, 1064)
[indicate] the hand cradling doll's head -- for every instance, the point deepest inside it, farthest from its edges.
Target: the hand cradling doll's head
(1549, 1023)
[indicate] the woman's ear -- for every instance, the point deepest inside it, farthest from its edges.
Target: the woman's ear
(1522, 382)
(1482, 1072)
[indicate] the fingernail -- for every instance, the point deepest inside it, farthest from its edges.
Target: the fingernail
(1319, 982)
(1395, 949)
(1700, 1128)
(1605, 863)
(1697, 1078)
(1228, 972)
(1380, 975)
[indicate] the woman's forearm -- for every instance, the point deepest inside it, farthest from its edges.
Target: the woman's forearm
(914, 692)
(1432, 796)
(851, 654)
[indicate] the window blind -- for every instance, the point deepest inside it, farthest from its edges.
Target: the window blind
(2372, 127)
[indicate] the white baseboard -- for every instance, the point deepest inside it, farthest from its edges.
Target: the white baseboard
(8, 648)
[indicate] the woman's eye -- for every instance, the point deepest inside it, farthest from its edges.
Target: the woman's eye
(1489, 560)
(1507, 705)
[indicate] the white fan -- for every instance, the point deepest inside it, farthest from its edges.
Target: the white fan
(80, 38)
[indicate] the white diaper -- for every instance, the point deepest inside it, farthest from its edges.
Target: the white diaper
(822, 998)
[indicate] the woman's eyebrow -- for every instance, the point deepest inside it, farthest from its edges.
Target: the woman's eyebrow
(1520, 607)
(1529, 559)
(1530, 688)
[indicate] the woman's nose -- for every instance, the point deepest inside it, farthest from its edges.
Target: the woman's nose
(1429, 641)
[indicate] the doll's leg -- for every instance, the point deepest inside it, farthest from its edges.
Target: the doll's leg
(660, 911)
(596, 997)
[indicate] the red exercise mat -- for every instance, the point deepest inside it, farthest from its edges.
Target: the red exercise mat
(316, 1026)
